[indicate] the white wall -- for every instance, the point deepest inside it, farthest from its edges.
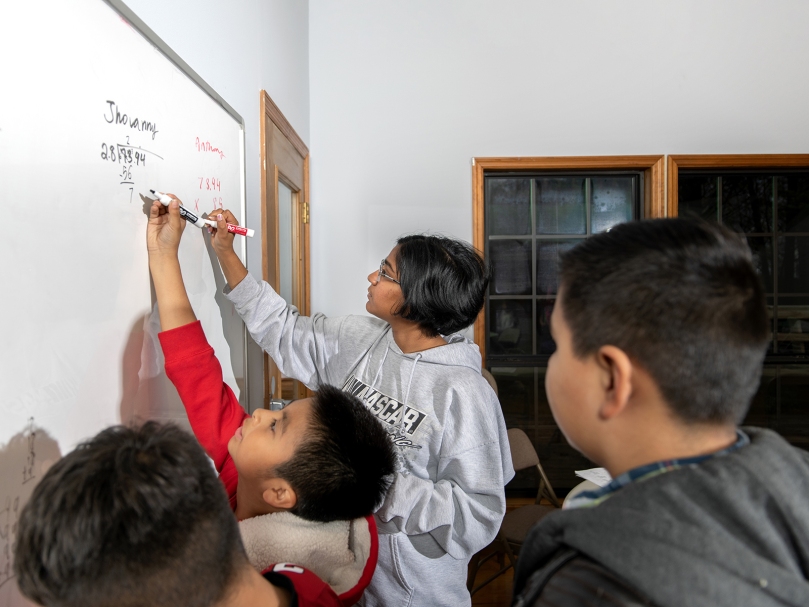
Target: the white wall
(404, 94)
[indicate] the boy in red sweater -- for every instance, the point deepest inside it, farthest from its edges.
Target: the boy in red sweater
(324, 458)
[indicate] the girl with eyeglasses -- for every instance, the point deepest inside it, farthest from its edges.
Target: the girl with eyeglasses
(422, 380)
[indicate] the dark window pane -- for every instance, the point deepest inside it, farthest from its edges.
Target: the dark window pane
(697, 196)
(510, 327)
(763, 407)
(515, 389)
(561, 205)
(747, 203)
(761, 247)
(612, 202)
(508, 206)
(793, 264)
(793, 325)
(511, 267)
(548, 252)
(781, 403)
(793, 203)
(545, 343)
(793, 412)
(770, 311)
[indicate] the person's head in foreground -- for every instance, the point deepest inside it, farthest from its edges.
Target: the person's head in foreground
(134, 517)
(434, 282)
(323, 458)
(661, 328)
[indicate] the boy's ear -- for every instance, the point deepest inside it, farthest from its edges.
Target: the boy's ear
(279, 494)
(617, 374)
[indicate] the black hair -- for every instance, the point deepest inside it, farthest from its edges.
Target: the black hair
(345, 465)
(135, 516)
(443, 283)
(682, 299)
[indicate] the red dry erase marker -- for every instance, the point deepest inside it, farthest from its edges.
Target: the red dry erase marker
(240, 230)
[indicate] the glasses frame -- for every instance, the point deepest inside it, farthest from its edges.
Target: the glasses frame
(382, 273)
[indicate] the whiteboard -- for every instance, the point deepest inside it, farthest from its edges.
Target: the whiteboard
(95, 110)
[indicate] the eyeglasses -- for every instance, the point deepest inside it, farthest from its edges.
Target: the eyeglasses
(382, 273)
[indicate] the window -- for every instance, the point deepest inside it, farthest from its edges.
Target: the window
(765, 198)
(529, 212)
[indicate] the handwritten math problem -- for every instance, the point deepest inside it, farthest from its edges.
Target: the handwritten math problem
(127, 156)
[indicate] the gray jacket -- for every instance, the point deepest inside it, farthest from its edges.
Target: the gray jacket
(447, 500)
(730, 531)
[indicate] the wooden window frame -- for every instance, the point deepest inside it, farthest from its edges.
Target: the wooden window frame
(725, 161)
(654, 199)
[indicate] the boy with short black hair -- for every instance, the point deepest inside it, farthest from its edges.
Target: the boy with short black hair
(325, 459)
(135, 517)
(661, 327)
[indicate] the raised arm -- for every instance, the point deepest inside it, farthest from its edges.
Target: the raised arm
(222, 240)
(163, 236)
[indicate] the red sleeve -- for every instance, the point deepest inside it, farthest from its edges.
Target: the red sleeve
(310, 590)
(213, 409)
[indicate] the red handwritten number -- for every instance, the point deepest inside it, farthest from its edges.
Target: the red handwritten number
(210, 183)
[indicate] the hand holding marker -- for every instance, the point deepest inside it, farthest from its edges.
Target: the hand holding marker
(198, 221)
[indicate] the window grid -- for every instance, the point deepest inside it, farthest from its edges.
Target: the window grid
(520, 377)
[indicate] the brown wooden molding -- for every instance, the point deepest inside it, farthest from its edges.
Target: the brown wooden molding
(725, 161)
(271, 110)
(654, 193)
(479, 242)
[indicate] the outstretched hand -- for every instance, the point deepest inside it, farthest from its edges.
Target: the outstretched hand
(165, 228)
(221, 239)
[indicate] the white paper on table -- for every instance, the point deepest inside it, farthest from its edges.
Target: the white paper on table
(599, 476)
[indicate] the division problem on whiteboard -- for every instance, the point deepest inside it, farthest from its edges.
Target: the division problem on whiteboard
(127, 156)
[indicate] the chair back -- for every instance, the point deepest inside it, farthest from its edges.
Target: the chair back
(523, 454)
(489, 378)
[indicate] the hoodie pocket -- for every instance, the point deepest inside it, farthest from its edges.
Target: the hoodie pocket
(398, 570)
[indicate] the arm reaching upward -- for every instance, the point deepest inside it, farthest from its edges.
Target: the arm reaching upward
(163, 233)
(222, 240)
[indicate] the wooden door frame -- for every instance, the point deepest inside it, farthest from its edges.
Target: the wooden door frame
(654, 196)
(725, 161)
(269, 224)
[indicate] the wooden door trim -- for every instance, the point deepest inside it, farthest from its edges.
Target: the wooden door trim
(725, 161)
(271, 111)
(272, 118)
(654, 193)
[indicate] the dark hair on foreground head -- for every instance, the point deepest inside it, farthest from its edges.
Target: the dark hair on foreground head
(345, 465)
(132, 517)
(682, 299)
(443, 283)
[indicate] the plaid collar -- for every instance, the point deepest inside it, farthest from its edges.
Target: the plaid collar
(588, 499)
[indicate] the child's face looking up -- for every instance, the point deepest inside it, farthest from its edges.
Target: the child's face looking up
(269, 438)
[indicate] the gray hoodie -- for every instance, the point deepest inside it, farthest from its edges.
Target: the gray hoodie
(447, 500)
(731, 531)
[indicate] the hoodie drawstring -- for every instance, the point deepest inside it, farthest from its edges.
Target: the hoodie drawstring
(382, 364)
(407, 393)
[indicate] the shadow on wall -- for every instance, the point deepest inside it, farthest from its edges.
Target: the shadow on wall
(146, 392)
(23, 461)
